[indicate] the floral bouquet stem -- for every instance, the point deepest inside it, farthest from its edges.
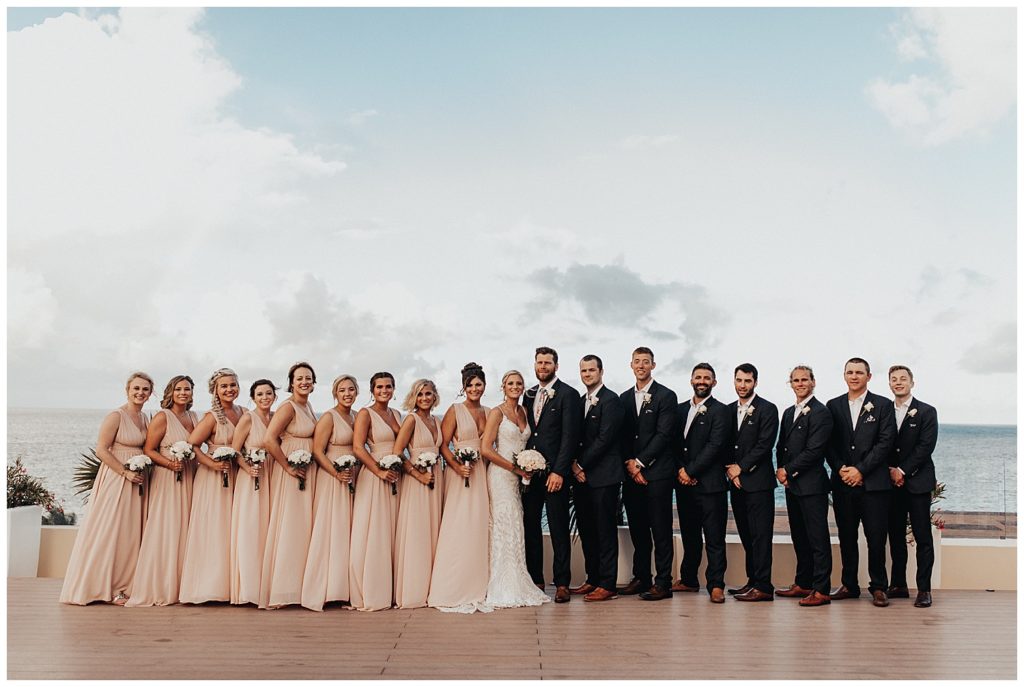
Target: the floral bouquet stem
(222, 455)
(300, 458)
(346, 462)
(390, 462)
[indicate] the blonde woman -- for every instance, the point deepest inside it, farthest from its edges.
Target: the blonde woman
(103, 560)
(421, 497)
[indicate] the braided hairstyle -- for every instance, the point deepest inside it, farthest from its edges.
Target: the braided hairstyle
(215, 406)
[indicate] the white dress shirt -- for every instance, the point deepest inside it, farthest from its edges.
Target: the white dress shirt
(741, 410)
(798, 408)
(591, 397)
(638, 395)
(692, 414)
(855, 407)
(542, 397)
(901, 411)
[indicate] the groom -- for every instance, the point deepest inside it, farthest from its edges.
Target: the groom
(553, 410)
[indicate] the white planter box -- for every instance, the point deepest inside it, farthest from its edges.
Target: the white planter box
(23, 526)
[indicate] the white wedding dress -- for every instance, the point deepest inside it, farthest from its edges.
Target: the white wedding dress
(509, 584)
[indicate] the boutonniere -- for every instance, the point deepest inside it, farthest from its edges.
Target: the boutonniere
(805, 410)
(647, 398)
(868, 407)
(750, 411)
(550, 393)
(593, 401)
(701, 409)
(912, 412)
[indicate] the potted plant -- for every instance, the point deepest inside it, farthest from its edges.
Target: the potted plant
(27, 498)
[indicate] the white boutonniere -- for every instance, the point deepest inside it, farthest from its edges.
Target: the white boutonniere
(750, 411)
(647, 398)
(702, 409)
(550, 393)
(868, 407)
(805, 410)
(912, 412)
(593, 401)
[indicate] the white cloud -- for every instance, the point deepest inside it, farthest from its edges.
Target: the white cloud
(31, 309)
(361, 117)
(974, 55)
(642, 142)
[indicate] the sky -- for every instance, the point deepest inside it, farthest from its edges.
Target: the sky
(413, 189)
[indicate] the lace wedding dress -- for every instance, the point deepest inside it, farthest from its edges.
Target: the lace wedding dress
(509, 584)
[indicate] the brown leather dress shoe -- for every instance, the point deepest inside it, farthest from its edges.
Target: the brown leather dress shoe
(678, 586)
(879, 598)
(844, 593)
(584, 588)
(739, 590)
(816, 598)
(600, 594)
(898, 593)
(562, 595)
(755, 595)
(656, 593)
(794, 591)
(634, 587)
(924, 600)
(717, 595)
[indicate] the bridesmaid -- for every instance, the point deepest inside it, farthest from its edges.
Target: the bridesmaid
(459, 580)
(250, 508)
(170, 499)
(419, 508)
(106, 549)
(327, 563)
(376, 508)
(205, 575)
(291, 509)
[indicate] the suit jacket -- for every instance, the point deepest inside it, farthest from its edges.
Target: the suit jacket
(915, 442)
(750, 445)
(869, 447)
(556, 435)
(648, 436)
(600, 453)
(802, 447)
(700, 452)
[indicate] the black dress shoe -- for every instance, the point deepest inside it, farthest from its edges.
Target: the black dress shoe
(898, 593)
(739, 590)
(656, 594)
(844, 593)
(635, 586)
(924, 600)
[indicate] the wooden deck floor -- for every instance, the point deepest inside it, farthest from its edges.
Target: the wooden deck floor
(967, 634)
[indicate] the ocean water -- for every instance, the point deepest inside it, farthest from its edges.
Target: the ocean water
(978, 463)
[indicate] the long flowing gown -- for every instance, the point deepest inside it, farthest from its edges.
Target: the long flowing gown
(250, 520)
(106, 550)
(419, 520)
(509, 584)
(291, 519)
(458, 583)
(206, 573)
(327, 563)
(373, 527)
(162, 554)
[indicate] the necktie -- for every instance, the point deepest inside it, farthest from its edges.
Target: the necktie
(538, 406)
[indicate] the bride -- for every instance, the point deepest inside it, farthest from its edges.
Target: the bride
(509, 584)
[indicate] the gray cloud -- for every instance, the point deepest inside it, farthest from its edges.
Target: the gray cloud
(996, 354)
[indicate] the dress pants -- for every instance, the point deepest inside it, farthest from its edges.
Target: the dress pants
(535, 500)
(649, 512)
(596, 519)
(699, 512)
(808, 525)
(754, 512)
(853, 507)
(918, 507)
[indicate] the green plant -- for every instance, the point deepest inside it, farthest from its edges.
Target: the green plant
(85, 473)
(57, 516)
(25, 490)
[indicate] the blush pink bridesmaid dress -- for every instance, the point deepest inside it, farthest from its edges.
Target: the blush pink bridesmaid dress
(250, 520)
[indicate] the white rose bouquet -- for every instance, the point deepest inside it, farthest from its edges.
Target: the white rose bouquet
(139, 463)
(257, 456)
(466, 456)
(300, 458)
(390, 462)
(529, 461)
(221, 455)
(346, 462)
(425, 462)
(181, 451)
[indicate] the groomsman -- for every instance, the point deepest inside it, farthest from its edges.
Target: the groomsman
(650, 411)
(599, 474)
(863, 431)
(701, 499)
(913, 476)
(800, 456)
(553, 412)
(754, 423)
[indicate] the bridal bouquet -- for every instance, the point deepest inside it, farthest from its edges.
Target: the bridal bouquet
(425, 462)
(300, 458)
(390, 462)
(181, 451)
(529, 461)
(346, 462)
(466, 456)
(224, 453)
(257, 456)
(139, 463)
